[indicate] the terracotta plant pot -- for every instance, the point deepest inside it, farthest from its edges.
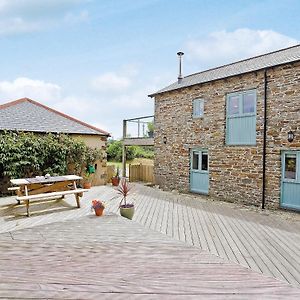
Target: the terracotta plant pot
(127, 212)
(115, 181)
(99, 211)
(87, 185)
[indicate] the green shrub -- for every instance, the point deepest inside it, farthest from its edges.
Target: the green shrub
(114, 151)
(28, 154)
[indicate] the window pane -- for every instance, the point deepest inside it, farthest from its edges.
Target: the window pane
(249, 103)
(233, 104)
(204, 165)
(198, 107)
(201, 108)
(195, 160)
(290, 166)
(195, 107)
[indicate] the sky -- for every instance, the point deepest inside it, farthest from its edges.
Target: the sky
(98, 60)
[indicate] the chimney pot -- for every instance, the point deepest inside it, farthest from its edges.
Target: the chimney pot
(180, 54)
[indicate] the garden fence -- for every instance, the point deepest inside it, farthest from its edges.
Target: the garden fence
(141, 172)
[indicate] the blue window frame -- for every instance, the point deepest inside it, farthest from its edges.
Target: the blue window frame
(241, 118)
(198, 108)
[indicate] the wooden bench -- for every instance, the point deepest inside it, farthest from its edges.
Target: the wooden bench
(13, 188)
(51, 195)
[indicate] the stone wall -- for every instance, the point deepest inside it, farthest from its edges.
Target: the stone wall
(283, 116)
(99, 142)
(235, 171)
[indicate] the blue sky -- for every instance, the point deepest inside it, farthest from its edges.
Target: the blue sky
(97, 60)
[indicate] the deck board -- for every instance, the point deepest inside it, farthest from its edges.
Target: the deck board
(110, 257)
(261, 241)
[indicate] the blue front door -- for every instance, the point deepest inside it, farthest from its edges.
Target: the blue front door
(199, 171)
(290, 180)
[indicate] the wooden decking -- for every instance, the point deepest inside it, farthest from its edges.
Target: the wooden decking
(238, 244)
(266, 243)
(112, 258)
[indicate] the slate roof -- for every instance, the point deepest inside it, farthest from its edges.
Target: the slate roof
(256, 63)
(28, 115)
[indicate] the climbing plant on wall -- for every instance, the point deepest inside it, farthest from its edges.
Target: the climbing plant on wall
(28, 154)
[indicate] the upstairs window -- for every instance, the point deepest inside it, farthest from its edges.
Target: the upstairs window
(241, 118)
(198, 108)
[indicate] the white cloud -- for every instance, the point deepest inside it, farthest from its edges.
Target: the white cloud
(86, 109)
(20, 16)
(17, 25)
(26, 87)
(119, 95)
(75, 18)
(101, 125)
(222, 46)
(111, 82)
(34, 8)
(105, 110)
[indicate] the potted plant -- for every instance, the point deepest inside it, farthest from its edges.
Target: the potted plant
(126, 209)
(87, 183)
(98, 207)
(89, 171)
(115, 180)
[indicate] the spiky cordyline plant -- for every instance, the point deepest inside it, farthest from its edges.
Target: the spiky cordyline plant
(124, 189)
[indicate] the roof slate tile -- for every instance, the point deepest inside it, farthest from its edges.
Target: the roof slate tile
(28, 115)
(256, 63)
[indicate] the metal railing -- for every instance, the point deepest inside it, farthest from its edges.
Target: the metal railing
(137, 131)
(141, 127)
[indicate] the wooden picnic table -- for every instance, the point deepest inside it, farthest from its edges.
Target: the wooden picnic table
(40, 187)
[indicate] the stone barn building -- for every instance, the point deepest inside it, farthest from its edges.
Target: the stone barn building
(233, 132)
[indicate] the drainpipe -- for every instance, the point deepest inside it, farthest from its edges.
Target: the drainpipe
(264, 141)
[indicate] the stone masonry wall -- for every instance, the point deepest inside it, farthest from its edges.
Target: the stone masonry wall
(235, 172)
(99, 142)
(283, 116)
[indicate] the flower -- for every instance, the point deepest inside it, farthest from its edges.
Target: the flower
(96, 204)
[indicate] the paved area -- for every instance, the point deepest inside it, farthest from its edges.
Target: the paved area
(111, 257)
(264, 242)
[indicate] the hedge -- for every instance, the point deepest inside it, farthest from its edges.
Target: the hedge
(27, 154)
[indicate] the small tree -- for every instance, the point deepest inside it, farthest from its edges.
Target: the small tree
(150, 130)
(115, 150)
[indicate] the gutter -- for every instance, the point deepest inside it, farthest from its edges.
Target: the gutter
(264, 141)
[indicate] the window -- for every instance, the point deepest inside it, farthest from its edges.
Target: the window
(198, 108)
(249, 103)
(233, 105)
(200, 160)
(241, 118)
(204, 161)
(195, 160)
(290, 166)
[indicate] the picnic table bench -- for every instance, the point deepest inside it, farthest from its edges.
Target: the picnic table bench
(40, 187)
